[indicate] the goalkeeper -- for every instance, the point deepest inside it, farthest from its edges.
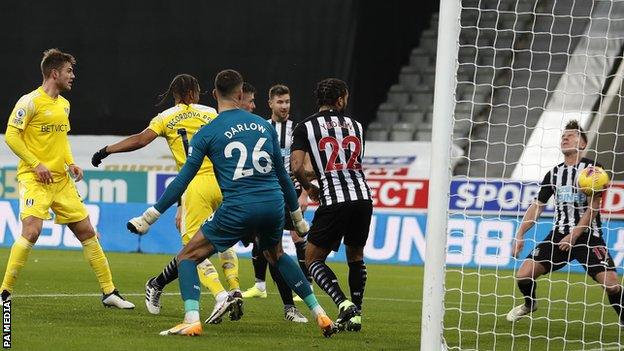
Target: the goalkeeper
(248, 164)
(177, 125)
(576, 234)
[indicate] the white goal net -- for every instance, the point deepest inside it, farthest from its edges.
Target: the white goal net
(524, 69)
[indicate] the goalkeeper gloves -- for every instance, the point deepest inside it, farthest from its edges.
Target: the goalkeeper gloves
(140, 225)
(301, 225)
(97, 157)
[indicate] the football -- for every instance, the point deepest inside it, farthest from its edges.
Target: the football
(592, 179)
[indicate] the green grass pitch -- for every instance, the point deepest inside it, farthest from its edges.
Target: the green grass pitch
(56, 306)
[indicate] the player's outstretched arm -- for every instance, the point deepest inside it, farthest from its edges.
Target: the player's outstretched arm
(528, 221)
(131, 143)
(141, 224)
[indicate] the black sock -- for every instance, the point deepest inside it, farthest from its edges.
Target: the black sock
(617, 301)
(169, 274)
(300, 247)
(527, 287)
(259, 263)
(357, 282)
(326, 279)
(282, 287)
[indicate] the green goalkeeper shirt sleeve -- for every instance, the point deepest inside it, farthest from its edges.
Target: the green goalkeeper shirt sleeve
(177, 187)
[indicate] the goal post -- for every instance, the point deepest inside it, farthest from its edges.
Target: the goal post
(440, 176)
(510, 74)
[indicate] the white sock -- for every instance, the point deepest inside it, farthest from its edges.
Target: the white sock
(191, 317)
(261, 285)
(318, 310)
(222, 296)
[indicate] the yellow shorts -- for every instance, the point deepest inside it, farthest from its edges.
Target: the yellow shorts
(36, 199)
(201, 199)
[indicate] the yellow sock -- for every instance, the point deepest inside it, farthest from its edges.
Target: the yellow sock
(229, 263)
(95, 256)
(209, 277)
(18, 257)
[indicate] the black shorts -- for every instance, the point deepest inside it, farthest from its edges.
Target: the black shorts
(288, 223)
(589, 250)
(350, 220)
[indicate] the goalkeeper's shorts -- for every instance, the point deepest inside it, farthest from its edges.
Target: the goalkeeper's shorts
(234, 222)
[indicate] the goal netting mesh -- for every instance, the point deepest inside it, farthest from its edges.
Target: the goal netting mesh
(524, 69)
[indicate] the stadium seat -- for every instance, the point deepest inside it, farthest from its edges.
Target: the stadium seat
(387, 113)
(423, 135)
(429, 39)
(377, 132)
(423, 97)
(410, 78)
(398, 95)
(428, 76)
(420, 58)
(402, 132)
(412, 114)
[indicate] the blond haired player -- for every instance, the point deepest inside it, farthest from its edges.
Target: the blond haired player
(177, 125)
(37, 134)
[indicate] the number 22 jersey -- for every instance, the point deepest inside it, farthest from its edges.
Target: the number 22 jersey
(335, 144)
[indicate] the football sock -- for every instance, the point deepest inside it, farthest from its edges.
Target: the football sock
(229, 264)
(300, 248)
(293, 276)
(259, 263)
(261, 285)
(209, 277)
(189, 289)
(326, 279)
(169, 274)
(282, 287)
(357, 282)
(527, 287)
(17, 258)
(617, 301)
(95, 256)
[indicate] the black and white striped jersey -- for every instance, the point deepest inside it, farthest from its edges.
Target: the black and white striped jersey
(570, 202)
(284, 133)
(335, 144)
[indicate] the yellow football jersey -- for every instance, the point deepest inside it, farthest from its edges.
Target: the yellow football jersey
(45, 123)
(178, 125)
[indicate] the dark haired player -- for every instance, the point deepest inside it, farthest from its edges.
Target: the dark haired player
(335, 145)
(576, 233)
(177, 125)
(248, 164)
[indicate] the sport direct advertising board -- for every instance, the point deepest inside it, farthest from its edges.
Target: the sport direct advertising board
(484, 213)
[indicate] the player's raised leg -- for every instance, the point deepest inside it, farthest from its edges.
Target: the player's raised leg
(94, 254)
